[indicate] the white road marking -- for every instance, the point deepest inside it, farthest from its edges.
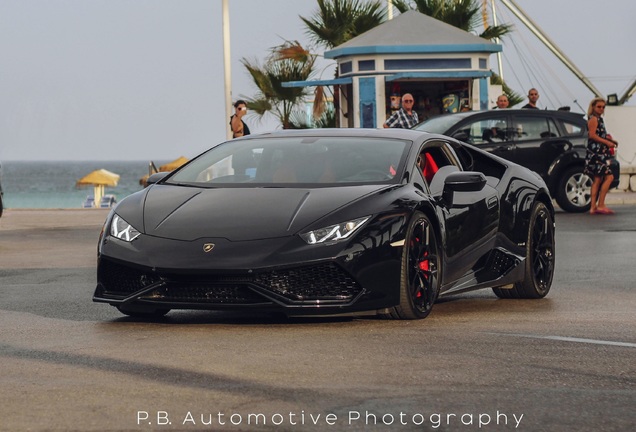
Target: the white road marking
(570, 339)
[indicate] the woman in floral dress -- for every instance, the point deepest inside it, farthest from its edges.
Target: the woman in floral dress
(598, 155)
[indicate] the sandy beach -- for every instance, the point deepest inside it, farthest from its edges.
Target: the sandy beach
(16, 219)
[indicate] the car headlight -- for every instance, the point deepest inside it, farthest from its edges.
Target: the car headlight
(122, 230)
(334, 233)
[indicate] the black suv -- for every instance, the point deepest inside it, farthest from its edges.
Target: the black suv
(552, 143)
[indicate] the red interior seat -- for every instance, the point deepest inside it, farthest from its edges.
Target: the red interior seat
(430, 168)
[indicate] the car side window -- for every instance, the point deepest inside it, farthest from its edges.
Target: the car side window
(572, 129)
(534, 128)
(487, 131)
(552, 130)
(435, 161)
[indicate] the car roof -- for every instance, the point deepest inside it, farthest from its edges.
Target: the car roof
(456, 118)
(542, 111)
(396, 133)
(516, 111)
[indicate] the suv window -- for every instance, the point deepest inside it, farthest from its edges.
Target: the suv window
(534, 128)
(486, 131)
(572, 129)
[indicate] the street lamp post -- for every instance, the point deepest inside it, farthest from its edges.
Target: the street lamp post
(227, 67)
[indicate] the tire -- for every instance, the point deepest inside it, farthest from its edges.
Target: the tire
(421, 270)
(540, 258)
(574, 190)
(142, 311)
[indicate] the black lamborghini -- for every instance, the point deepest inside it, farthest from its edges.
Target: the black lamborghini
(325, 222)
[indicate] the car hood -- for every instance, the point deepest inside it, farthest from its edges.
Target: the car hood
(239, 214)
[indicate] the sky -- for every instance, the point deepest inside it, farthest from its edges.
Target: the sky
(144, 80)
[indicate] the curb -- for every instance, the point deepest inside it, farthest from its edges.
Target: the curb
(621, 198)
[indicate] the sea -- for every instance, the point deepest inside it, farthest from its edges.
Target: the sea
(52, 185)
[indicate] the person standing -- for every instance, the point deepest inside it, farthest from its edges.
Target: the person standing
(405, 117)
(502, 102)
(597, 157)
(533, 97)
(239, 128)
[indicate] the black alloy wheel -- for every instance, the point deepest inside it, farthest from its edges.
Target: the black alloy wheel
(421, 270)
(540, 258)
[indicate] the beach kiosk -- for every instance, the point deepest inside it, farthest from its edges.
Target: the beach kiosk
(445, 68)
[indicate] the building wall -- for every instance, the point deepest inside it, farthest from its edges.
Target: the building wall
(370, 73)
(619, 121)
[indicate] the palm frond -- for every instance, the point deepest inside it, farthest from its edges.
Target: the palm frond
(291, 50)
(299, 120)
(463, 14)
(494, 32)
(338, 21)
(260, 106)
(320, 102)
(259, 77)
(327, 119)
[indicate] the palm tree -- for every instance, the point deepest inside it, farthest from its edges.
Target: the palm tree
(272, 97)
(338, 21)
(327, 119)
(463, 14)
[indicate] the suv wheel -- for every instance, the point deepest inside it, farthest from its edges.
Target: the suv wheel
(574, 190)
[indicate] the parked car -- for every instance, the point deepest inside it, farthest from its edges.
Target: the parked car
(322, 222)
(552, 143)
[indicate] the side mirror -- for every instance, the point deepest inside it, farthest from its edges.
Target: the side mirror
(156, 177)
(465, 181)
(461, 135)
(462, 181)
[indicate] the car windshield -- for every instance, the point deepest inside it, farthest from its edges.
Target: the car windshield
(295, 160)
(439, 124)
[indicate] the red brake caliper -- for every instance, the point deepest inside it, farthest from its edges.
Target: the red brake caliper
(424, 266)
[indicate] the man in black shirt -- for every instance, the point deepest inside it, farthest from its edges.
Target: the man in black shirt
(533, 97)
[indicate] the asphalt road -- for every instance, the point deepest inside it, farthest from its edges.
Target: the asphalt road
(563, 363)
